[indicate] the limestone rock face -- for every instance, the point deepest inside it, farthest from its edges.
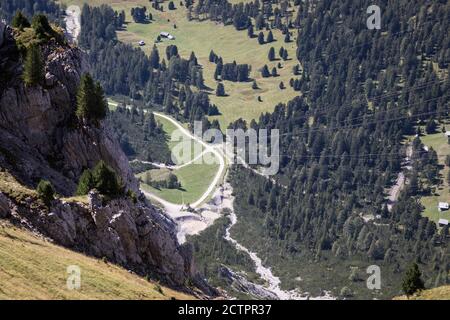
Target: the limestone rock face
(42, 139)
(40, 128)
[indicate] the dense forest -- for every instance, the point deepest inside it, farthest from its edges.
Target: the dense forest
(341, 143)
(29, 8)
(140, 135)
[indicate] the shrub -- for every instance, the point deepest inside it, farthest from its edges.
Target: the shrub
(86, 183)
(106, 181)
(45, 192)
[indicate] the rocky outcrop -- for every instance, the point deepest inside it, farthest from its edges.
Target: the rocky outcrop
(41, 132)
(42, 139)
(133, 235)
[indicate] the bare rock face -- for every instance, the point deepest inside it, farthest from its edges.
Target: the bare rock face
(43, 134)
(134, 235)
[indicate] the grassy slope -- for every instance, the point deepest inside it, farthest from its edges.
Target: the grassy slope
(31, 268)
(440, 293)
(438, 142)
(201, 37)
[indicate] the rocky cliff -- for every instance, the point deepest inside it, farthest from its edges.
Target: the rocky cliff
(38, 127)
(42, 139)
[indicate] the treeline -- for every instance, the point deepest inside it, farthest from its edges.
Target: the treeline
(50, 8)
(341, 143)
(265, 14)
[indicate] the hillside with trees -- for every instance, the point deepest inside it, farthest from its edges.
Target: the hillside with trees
(342, 146)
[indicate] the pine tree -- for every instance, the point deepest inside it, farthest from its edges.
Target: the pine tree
(41, 26)
(265, 71)
(412, 281)
(154, 58)
(270, 37)
(106, 181)
(220, 91)
(271, 54)
(91, 103)
(274, 72)
(254, 85)
(86, 183)
(45, 192)
(212, 56)
(261, 38)
(20, 21)
(34, 66)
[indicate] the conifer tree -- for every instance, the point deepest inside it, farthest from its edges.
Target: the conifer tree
(265, 71)
(271, 54)
(220, 91)
(20, 21)
(45, 192)
(270, 37)
(106, 181)
(91, 103)
(412, 281)
(34, 66)
(41, 26)
(86, 183)
(261, 38)
(154, 58)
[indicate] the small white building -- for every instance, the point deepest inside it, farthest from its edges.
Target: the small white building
(142, 43)
(170, 37)
(447, 133)
(443, 206)
(443, 222)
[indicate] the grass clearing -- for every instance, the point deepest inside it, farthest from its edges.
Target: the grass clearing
(32, 268)
(194, 179)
